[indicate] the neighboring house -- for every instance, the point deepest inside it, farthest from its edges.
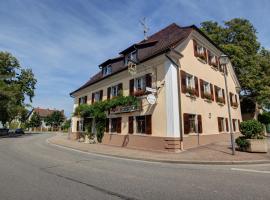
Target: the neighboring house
(176, 60)
(43, 113)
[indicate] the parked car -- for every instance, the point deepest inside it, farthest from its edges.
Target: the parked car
(15, 132)
(19, 131)
(3, 131)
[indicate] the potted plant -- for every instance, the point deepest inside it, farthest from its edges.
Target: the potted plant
(139, 93)
(220, 100)
(208, 96)
(235, 104)
(252, 139)
(191, 91)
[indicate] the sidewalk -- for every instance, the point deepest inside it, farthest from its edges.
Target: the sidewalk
(218, 153)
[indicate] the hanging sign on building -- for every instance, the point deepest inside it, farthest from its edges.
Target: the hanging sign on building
(123, 109)
(151, 99)
(152, 90)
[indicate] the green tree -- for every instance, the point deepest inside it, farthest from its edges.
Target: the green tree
(66, 125)
(55, 119)
(35, 121)
(15, 85)
(238, 39)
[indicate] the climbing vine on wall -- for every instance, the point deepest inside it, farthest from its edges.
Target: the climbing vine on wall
(97, 111)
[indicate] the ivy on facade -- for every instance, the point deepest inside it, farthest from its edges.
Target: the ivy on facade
(98, 110)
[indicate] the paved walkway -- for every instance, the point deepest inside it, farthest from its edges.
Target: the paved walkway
(217, 153)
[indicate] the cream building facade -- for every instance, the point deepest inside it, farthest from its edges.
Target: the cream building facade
(182, 67)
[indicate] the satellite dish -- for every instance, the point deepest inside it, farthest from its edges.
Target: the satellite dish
(151, 99)
(132, 68)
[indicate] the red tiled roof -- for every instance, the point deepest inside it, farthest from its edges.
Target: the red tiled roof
(156, 44)
(44, 112)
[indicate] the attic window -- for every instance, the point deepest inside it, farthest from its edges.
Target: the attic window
(106, 70)
(131, 56)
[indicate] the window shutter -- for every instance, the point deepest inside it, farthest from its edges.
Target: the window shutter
(238, 124)
(107, 124)
(118, 126)
(205, 54)
(202, 88)
(199, 123)
(131, 87)
(100, 95)
(85, 99)
(231, 98)
(130, 124)
(217, 61)
(148, 129)
(196, 86)
(236, 99)
(108, 93)
(120, 89)
(212, 92)
(78, 125)
(234, 124)
(195, 48)
(216, 93)
(209, 57)
(186, 123)
(148, 80)
(93, 97)
(219, 125)
(223, 96)
(183, 81)
(227, 125)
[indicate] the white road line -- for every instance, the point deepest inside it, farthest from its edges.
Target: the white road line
(250, 170)
(101, 155)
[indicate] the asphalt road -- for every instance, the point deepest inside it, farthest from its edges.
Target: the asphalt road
(30, 168)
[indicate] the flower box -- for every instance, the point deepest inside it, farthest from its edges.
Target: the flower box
(191, 91)
(220, 100)
(208, 96)
(257, 145)
(138, 93)
(234, 104)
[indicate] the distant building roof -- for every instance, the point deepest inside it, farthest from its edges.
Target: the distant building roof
(43, 112)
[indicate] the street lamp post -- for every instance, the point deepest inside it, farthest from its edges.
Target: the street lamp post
(224, 60)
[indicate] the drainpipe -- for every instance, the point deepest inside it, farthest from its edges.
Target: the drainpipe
(179, 99)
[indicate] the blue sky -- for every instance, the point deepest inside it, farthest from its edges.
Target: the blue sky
(65, 41)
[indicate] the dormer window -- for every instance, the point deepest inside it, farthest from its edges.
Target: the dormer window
(131, 57)
(107, 70)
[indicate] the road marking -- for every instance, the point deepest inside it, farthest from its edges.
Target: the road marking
(250, 170)
(100, 155)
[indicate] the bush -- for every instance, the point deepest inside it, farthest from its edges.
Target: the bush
(264, 118)
(252, 129)
(242, 143)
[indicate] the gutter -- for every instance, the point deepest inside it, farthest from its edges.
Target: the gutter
(179, 94)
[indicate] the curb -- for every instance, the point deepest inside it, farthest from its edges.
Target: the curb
(198, 162)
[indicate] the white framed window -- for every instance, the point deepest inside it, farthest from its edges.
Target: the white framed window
(107, 70)
(141, 124)
(131, 56)
(222, 122)
(190, 82)
(139, 83)
(192, 124)
(114, 91)
(200, 49)
(97, 96)
(206, 87)
(220, 94)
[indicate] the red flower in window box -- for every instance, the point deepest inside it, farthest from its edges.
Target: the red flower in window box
(139, 93)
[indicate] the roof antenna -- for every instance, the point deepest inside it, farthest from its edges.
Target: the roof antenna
(145, 28)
